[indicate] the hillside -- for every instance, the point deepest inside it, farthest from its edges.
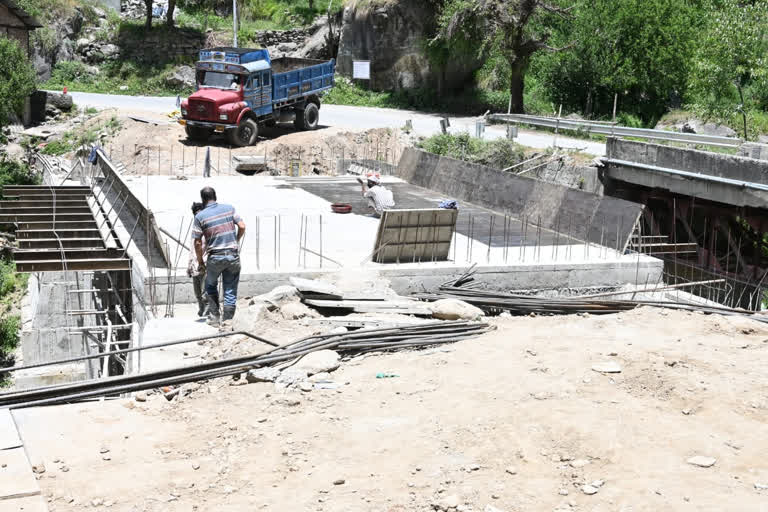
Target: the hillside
(443, 55)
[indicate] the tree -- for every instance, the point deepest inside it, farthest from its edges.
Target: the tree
(732, 56)
(18, 80)
(169, 14)
(148, 21)
(517, 29)
(639, 49)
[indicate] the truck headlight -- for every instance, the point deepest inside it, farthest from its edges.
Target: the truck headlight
(183, 111)
(223, 117)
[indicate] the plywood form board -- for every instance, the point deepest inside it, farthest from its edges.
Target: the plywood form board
(414, 235)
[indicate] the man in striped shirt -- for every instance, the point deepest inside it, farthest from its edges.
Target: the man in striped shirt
(379, 198)
(222, 229)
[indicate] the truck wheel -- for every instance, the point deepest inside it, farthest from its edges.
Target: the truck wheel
(199, 133)
(308, 118)
(245, 134)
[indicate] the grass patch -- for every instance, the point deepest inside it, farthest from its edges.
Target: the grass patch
(119, 77)
(72, 140)
(498, 153)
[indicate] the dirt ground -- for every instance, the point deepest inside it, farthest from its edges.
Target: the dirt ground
(161, 147)
(515, 420)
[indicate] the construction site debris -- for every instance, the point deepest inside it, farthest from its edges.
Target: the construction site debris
(454, 309)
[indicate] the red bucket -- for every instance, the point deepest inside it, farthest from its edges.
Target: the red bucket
(341, 208)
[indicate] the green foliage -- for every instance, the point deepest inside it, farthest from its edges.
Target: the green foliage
(731, 60)
(140, 79)
(471, 101)
(640, 49)
(254, 15)
(498, 153)
(16, 173)
(72, 140)
(18, 79)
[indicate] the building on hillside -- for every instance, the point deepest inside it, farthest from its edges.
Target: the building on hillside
(16, 23)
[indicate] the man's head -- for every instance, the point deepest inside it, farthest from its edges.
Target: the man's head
(208, 195)
(196, 207)
(373, 180)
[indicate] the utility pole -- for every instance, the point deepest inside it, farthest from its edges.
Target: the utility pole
(234, 22)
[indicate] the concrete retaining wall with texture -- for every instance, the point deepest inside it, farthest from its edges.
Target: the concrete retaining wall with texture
(600, 219)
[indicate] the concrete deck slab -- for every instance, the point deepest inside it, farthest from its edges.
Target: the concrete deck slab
(27, 504)
(9, 436)
(16, 477)
(185, 324)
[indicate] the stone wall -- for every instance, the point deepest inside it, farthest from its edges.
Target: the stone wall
(13, 28)
(160, 45)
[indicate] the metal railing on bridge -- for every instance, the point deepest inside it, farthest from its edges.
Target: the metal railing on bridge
(613, 129)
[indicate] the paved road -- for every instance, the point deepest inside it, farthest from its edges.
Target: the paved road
(355, 118)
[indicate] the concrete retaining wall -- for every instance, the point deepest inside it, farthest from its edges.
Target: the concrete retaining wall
(599, 219)
(691, 160)
(406, 279)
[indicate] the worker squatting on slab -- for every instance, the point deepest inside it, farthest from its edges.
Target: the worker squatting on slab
(379, 197)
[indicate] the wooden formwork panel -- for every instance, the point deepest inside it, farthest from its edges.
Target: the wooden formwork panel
(414, 235)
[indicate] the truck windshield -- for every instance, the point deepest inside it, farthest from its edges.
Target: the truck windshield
(219, 80)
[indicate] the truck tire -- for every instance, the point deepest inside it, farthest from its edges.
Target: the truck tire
(308, 118)
(245, 134)
(198, 133)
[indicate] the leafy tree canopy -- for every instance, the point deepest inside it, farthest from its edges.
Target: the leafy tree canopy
(18, 79)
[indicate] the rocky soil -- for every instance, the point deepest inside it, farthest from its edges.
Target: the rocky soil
(645, 410)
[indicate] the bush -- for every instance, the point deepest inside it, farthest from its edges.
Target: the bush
(18, 79)
(499, 153)
(15, 173)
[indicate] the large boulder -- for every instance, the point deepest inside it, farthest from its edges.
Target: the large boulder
(391, 36)
(182, 76)
(699, 127)
(60, 101)
(454, 309)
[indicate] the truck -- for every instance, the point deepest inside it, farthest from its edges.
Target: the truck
(239, 90)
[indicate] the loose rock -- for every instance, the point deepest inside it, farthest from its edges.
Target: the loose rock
(454, 309)
(319, 362)
(262, 375)
(702, 461)
(607, 367)
(589, 490)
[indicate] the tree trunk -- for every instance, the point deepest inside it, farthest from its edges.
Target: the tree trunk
(517, 87)
(148, 22)
(743, 110)
(169, 14)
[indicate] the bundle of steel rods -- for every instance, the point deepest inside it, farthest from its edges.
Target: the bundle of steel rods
(496, 301)
(491, 301)
(364, 340)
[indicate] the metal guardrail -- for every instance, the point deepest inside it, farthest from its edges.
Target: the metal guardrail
(612, 129)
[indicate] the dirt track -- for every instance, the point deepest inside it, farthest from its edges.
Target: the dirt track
(152, 148)
(516, 420)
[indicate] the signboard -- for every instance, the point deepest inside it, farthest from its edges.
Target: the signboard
(361, 69)
(295, 168)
